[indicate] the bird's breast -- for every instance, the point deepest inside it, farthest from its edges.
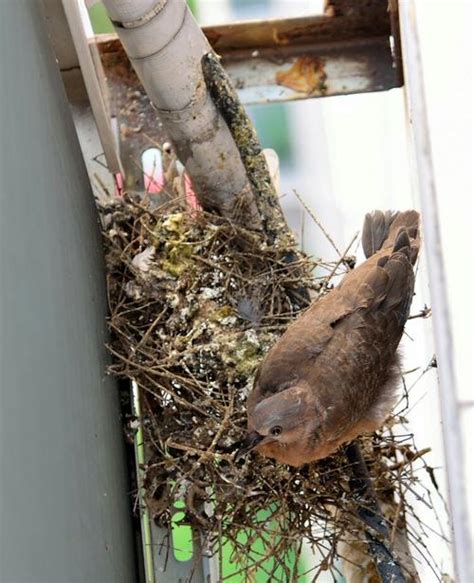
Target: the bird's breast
(297, 453)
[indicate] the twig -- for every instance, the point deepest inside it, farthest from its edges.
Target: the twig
(318, 222)
(340, 260)
(424, 313)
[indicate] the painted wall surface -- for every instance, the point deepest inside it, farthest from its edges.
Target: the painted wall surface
(64, 505)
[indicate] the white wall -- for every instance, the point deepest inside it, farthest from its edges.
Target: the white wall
(447, 46)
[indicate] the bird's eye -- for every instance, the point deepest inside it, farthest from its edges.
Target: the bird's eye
(275, 431)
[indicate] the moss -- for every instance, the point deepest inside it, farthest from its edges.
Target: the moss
(222, 312)
(175, 223)
(178, 258)
(244, 134)
(172, 233)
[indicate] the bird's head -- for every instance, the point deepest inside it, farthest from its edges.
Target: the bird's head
(280, 421)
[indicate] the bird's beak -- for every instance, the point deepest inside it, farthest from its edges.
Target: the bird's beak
(250, 441)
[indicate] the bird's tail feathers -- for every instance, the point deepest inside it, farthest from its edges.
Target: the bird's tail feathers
(397, 230)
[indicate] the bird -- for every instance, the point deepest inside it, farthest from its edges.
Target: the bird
(333, 375)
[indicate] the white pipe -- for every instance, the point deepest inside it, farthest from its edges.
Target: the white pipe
(165, 45)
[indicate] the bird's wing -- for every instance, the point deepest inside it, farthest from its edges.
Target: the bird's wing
(349, 334)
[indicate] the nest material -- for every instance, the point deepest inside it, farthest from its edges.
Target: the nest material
(195, 303)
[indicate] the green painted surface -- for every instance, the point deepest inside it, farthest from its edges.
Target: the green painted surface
(147, 546)
(231, 562)
(100, 21)
(273, 128)
(182, 535)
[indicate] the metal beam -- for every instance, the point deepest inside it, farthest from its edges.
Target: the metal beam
(281, 60)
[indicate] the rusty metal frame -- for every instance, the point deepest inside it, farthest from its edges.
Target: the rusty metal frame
(352, 48)
(299, 58)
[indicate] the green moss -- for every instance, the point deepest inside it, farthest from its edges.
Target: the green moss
(175, 223)
(221, 313)
(179, 259)
(249, 357)
(173, 234)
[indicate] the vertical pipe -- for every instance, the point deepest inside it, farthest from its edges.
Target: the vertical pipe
(64, 513)
(165, 45)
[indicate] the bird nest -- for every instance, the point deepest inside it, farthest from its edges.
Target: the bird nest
(195, 303)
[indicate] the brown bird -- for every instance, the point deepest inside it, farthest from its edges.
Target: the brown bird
(333, 374)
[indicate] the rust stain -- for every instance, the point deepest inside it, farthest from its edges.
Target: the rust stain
(306, 75)
(278, 38)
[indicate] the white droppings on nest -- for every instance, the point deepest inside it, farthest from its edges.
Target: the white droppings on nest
(166, 398)
(172, 300)
(143, 261)
(252, 338)
(185, 313)
(229, 321)
(247, 388)
(133, 290)
(209, 293)
(217, 277)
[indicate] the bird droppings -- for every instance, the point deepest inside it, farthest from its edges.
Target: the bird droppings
(195, 304)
